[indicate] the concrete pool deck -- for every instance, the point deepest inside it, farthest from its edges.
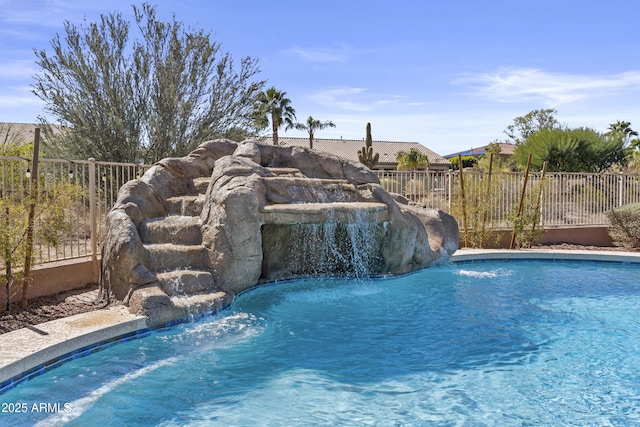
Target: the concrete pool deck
(30, 351)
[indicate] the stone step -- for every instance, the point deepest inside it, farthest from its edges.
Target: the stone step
(167, 257)
(320, 213)
(205, 302)
(183, 282)
(292, 172)
(201, 184)
(176, 229)
(282, 189)
(185, 205)
(163, 309)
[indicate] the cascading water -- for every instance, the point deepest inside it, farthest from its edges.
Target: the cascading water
(348, 248)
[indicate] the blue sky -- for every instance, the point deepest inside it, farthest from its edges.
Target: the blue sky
(449, 74)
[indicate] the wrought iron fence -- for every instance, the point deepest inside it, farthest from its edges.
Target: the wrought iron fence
(94, 186)
(562, 198)
(565, 199)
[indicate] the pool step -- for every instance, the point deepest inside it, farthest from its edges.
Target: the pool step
(205, 302)
(185, 282)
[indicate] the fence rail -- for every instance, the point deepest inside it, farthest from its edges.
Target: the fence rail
(565, 198)
(94, 186)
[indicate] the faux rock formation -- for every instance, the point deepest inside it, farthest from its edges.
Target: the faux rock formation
(194, 231)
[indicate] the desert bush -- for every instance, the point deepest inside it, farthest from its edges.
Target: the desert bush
(527, 225)
(416, 187)
(477, 210)
(391, 185)
(624, 225)
(51, 224)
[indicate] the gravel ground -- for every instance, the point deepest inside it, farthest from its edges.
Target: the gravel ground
(78, 301)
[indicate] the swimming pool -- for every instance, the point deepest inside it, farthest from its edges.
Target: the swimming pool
(488, 343)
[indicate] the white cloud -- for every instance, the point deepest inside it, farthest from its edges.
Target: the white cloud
(551, 89)
(358, 99)
(26, 99)
(341, 98)
(17, 69)
(53, 12)
(322, 55)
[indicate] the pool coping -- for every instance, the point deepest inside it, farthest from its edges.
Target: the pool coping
(30, 351)
(544, 254)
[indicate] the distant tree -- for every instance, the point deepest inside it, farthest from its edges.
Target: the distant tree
(411, 160)
(142, 99)
(499, 164)
(312, 125)
(467, 162)
(366, 156)
(530, 123)
(273, 107)
(622, 128)
(572, 150)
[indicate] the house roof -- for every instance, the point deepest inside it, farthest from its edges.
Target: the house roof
(505, 150)
(348, 148)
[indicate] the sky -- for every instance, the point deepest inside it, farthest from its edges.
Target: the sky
(450, 75)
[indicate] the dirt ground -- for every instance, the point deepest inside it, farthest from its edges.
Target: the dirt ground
(78, 301)
(52, 307)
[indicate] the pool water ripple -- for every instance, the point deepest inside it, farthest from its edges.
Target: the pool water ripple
(493, 343)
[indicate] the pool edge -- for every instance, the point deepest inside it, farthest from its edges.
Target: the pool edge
(544, 254)
(31, 350)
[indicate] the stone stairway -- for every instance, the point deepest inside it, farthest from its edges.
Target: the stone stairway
(177, 256)
(179, 260)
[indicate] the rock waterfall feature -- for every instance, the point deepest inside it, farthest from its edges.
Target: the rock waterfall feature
(194, 231)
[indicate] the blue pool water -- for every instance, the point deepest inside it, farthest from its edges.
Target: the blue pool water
(490, 343)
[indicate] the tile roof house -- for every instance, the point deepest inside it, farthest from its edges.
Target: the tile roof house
(506, 151)
(348, 149)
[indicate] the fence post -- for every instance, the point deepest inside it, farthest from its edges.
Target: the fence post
(93, 214)
(621, 190)
(462, 201)
(449, 188)
(33, 201)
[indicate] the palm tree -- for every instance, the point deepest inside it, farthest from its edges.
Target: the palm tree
(411, 159)
(622, 128)
(312, 125)
(273, 104)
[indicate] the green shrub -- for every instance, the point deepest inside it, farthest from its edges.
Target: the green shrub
(467, 162)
